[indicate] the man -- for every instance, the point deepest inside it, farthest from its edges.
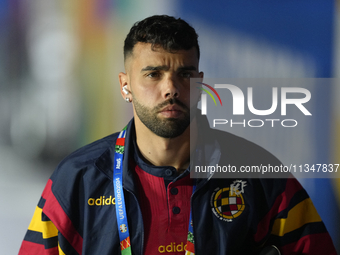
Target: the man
(131, 192)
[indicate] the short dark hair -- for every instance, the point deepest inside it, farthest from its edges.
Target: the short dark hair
(161, 30)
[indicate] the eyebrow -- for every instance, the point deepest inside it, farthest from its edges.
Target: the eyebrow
(187, 68)
(164, 68)
(154, 68)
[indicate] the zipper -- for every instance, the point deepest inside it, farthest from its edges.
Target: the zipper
(140, 213)
(191, 203)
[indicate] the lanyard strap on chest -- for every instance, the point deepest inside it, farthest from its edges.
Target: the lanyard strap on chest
(121, 215)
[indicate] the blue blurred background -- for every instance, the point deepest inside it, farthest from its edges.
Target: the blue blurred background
(59, 90)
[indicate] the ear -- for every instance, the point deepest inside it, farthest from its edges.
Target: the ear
(201, 74)
(124, 81)
(195, 94)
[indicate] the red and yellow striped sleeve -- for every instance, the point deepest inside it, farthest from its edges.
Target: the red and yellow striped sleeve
(302, 231)
(294, 225)
(42, 234)
(51, 231)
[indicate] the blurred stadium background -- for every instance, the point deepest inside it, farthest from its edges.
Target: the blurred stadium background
(59, 90)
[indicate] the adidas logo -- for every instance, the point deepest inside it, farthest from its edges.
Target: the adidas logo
(101, 201)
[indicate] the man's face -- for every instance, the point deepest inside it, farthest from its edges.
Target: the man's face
(159, 82)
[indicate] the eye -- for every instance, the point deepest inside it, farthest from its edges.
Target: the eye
(186, 74)
(153, 75)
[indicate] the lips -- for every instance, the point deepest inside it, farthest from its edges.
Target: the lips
(172, 108)
(171, 111)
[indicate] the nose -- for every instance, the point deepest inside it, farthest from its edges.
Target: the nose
(171, 89)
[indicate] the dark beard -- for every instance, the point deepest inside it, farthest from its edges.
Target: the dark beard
(167, 127)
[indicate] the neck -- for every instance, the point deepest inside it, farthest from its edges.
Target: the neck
(161, 151)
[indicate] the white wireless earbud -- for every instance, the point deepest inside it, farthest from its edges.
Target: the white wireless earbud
(125, 90)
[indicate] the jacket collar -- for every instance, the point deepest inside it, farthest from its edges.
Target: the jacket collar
(105, 162)
(209, 151)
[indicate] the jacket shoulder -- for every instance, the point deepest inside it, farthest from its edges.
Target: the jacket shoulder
(242, 150)
(87, 155)
(76, 170)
